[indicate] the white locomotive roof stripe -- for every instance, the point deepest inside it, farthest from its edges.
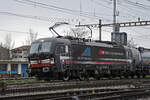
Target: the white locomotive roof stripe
(125, 60)
(33, 62)
(42, 61)
(99, 44)
(45, 60)
(65, 57)
(95, 62)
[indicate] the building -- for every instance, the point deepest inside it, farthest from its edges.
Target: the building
(20, 53)
(4, 53)
(15, 64)
(10, 68)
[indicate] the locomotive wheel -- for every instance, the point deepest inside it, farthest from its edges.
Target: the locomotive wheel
(138, 76)
(143, 75)
(66, 75)
(97, 77)
(126, 76)
(132, 76)
(38, 78)
(110, 77)
(121, 77)
(82, 76)
(65, 78)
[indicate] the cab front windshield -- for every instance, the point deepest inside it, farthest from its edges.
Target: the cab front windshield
(40, 47)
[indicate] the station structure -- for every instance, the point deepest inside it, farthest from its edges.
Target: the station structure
(17, 63)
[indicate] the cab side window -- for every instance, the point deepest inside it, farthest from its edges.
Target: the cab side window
(57, 50)
(129, 54)
(60, 49)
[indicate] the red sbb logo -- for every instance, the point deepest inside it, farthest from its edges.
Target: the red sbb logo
(101, 52)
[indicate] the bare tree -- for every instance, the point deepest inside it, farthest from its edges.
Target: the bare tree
(131, 43)
(32, 37)
(78, 33)
(8, 43)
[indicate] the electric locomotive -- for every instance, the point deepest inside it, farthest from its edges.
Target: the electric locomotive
(69, 57)
(145, 63)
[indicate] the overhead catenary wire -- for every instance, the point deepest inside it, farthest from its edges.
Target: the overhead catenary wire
(96, 13)
(139, 36)
(25, 16)
(41, 18)
(96, 2)
(122, 16)
(59, 9)
(129, 11)
(85, 14)
(136, 4)
(134, 9)
(19, 32)
(47, 5)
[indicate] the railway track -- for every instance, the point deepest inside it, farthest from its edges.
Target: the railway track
(81, 94)
(19, 78)
(130, 82)
(60, 89)
(27, 81)
(112, 95)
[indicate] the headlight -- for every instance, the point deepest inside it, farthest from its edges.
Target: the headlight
(45, 69)
(52, 61)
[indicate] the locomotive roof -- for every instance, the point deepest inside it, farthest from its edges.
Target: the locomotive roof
(53, 39)
(80, 42)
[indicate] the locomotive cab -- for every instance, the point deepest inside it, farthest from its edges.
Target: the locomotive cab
(41, 57)
(45, 58)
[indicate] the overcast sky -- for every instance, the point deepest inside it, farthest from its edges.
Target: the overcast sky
(18, 16)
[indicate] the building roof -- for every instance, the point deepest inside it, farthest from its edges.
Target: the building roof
(11, 61)
(3, 47)
(25, 47)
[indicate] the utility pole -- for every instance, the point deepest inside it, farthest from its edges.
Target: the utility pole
(100, 29)
(114, 15)
(123, 24)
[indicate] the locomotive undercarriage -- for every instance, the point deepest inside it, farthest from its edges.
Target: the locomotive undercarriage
(141, 72)
(84, 72)
(41, 75)
(106, 71)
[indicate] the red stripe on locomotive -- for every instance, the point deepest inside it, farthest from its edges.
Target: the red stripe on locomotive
(40, 65)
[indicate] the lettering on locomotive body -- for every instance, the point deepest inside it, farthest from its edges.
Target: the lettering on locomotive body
(84, 58)
(103, 52)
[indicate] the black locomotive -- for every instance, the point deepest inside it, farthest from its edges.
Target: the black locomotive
(67, 57)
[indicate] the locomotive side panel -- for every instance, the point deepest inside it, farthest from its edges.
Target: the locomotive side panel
(105, 52)
(104, 60)
(99, 56)
(146, 58)
(97, 53)
(136, 57)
